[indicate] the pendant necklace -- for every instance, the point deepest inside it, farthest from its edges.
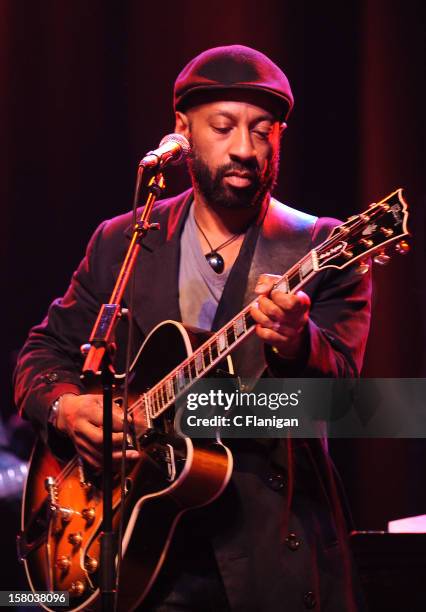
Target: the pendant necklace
(214, 258)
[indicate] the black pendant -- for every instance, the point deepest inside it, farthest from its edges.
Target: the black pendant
(215, 261)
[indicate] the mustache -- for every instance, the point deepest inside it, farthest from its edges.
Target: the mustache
(249, 169)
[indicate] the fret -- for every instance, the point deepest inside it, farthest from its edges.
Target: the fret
(306, 267)
(156, 402)
(187, 371)
(169, 390)
(293, 281)
(249, 322)
(163, 395)
(207, 356)
(283, 284)
(221, 342)
(239, 327)
(198, 362)
(230, 335)
(175, 383)
(214, 349)
(192, 369)
(181, 379)
(147, 404)
(152, 404)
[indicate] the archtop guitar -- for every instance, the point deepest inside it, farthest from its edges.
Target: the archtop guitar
(62, 505)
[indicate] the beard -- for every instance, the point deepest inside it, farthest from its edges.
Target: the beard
(217, 193)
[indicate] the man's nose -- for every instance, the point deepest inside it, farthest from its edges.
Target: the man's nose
(241, 145)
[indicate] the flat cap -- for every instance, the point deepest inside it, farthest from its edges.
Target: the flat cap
(233, 67)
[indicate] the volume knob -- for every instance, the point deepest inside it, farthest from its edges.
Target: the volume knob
(63, 563)
(75, 538)
(89, 514)
(77, 588)
(91, 564)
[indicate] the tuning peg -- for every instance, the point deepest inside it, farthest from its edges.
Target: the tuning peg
(402, 247)
(363, 268)
(382, 259)
(347, 254)
(367, 243)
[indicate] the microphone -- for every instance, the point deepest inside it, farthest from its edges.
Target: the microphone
(173, 149)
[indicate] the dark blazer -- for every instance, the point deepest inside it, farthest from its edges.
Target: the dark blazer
(246, 544)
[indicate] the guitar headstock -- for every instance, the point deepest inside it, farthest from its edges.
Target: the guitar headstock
(367, 234)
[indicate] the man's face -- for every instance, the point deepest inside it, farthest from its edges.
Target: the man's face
(235, 152)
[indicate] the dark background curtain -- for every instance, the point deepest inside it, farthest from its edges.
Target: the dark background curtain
(86, 90)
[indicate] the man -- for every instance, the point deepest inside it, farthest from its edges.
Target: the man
(273, 540)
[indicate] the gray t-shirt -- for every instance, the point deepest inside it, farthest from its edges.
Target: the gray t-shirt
(200, 287)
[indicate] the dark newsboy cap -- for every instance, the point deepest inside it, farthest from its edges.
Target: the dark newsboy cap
(233, 68)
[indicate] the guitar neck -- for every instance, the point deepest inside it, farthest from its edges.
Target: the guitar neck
(381, 225)
(165, 393)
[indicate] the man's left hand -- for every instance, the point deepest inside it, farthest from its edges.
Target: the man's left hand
(281, 318)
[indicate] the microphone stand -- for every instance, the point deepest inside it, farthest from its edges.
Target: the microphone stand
(99, 360)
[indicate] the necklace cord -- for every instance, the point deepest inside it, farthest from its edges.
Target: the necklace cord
(221, 246)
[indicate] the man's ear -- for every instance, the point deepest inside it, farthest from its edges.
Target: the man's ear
(283, 127)
(182, 124)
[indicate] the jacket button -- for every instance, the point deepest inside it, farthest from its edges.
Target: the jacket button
(292, 541)
(276, 481)
(51, 377)
(309, 600)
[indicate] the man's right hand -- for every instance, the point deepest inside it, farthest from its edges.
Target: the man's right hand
(80, 418)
